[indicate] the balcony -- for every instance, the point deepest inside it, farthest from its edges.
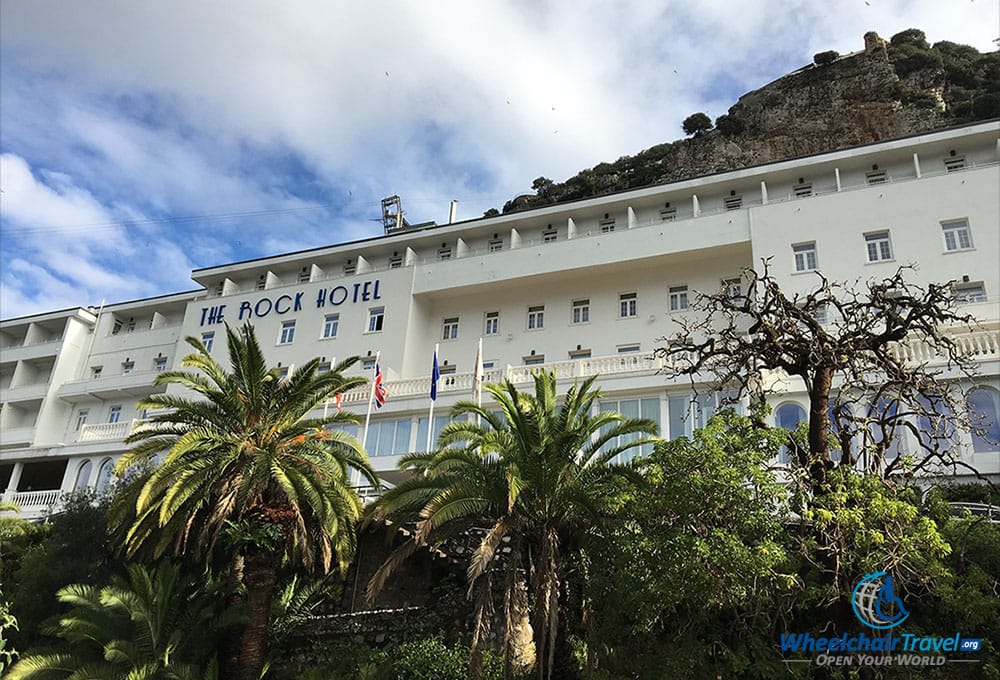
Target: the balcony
(46, 348)
(122, 387)
(34, 504)
(982, 345)
(32, 392)
(105, 432)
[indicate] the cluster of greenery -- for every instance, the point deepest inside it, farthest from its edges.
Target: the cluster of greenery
(972, 79)
(688, 562)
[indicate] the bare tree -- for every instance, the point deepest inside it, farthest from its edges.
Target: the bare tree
(877, 359)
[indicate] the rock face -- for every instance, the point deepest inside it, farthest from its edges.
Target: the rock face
(854, 99)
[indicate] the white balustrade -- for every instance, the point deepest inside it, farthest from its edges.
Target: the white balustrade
(100, 432)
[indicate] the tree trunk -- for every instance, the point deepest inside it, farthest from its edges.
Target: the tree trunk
(259, 575)
(819, 426)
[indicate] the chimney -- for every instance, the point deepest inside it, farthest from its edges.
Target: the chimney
(451, 211)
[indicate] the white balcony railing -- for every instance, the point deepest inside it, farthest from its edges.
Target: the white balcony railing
(101, 432)
(34, 504)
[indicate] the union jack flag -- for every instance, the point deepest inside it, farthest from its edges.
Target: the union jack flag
(380, 391)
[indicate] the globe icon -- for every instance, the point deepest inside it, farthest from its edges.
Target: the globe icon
(875, 602)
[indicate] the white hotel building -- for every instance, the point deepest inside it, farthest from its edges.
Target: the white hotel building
(582, 287)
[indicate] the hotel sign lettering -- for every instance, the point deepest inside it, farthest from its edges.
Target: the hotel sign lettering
(364, 291)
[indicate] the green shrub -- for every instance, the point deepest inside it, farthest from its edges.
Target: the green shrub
(696, 123)
(729, 125)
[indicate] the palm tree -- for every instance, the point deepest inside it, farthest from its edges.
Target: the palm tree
(532, 478)
(246, 464)
(156, 625)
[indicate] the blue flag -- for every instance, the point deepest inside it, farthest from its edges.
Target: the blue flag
(435, 375)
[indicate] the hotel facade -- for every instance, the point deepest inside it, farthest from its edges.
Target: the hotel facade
(580, 288)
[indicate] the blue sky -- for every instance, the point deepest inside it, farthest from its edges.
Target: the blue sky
(141, 140)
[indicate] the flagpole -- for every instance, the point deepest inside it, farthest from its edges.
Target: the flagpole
(430, 414)
(371, 398)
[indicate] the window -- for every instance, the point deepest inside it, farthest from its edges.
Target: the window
(130, 326)
(805, 257)
(115, 413)
(823, 314)
(82, 476)
(970, 293)
(579, 353)
(104, 474)
(331, 323)
(496, 245)
(788, 416)
(803, 190)
(207, 339)
(396, 262)
(350, 268)
(220, 288)
(128, 367)
(287, 333)
(304, 275)
(549, 235)
(678, 298)
(96, 371)
(581, 311)
(879, 248)
(875, 177)
(627, 305)
(444, 253)
(954, 163)
(607, 226)
(690, 412)
(956, 235)
(886, 423)
(389, 437)
(536, 317)
(628, 349)
(376, 315)
(734, 202)
(324, 366)
(117, 327)
(160, 364)
(492, 325)
(284, 372)
(668, 214)
(533, 359)
(733, 288)
(450, 328)
(368, 364)
(261, 282)
(648, 409)
(984, 411)
(81, 418)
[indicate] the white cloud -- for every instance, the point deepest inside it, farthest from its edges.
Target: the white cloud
(142, 112)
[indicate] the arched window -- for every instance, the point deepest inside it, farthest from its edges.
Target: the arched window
(936, 422)
(104, 474)
(788, 416)
(884, 422)
(984, 411)
(82, 476)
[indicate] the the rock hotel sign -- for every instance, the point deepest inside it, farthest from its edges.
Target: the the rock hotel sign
(363, 291)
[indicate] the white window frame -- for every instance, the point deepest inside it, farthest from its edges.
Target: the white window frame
(957, 235)
(449, 328)
(208, 339)
(733, 288)
(550, 236)
(159, 364)
(969, 293)
(628, 305)
(607, 225)
(536, 317)
(579, 311)
(444, 253)
(668, 214)
(733, 203)
(81, 418)
(806, 258)
(876, 177)
(286, 335)
(396, 262)
(491, 323)
(954, 163)
(376, 319)
(630, 348)
(495, 245)
(115, 413)
(879, 244)
(678, 296)
(128, 367)
(331, 326)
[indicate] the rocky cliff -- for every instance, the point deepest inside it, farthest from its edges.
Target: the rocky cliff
(888, 89)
